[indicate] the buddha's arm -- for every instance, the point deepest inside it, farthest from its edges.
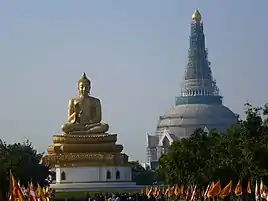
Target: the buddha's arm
(71, 112)
(98, 116)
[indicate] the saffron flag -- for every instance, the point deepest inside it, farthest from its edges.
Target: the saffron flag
(40, 193)
(257, 193)
(163, 191)
(147, 190)
(226, 190)
(167, 190)
(249, 187)
(156, 191)
(177, 190)
(171, 192)
(32, 193)
(215, 190)
(263, 191)
(148, 193)
(238, 189)
(182, 191)
(16, 194)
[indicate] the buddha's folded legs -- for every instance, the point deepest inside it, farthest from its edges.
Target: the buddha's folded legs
(97, 128)
(69, 127)
(90, 128)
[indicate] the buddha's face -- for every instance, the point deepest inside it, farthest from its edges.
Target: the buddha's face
(83, 88)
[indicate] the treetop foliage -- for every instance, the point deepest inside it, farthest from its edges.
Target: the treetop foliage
(240, 153)
(141, 175)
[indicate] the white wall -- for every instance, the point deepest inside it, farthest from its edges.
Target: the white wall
(92, 174)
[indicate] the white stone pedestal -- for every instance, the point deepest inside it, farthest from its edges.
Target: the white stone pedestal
(93, 178)
(96, 187)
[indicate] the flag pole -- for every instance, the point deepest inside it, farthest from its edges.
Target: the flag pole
(10, 185)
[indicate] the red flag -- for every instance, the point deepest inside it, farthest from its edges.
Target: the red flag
(32, 193)
(16, 194)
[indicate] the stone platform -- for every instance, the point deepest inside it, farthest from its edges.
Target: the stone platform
(96, 186)
(92, 178)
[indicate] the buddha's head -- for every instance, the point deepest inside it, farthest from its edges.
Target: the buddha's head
(84, 85)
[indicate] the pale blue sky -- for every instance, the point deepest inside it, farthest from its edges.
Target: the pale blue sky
(134, 52)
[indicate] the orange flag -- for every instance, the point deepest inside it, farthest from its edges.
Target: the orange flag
(238, 189)
(16, 191)
(156, 191)
(171, 192)
(215, 190)
(147, 190)
(163, 191)
(177, 190)
(211, 186)
(226, 190)
(32, 192)
(182, 190)
(249, 187)
(167, 190)
(40, 193)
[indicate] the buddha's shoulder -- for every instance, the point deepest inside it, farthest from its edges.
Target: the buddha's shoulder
(94, 99)
(90, 98)
(73, 100)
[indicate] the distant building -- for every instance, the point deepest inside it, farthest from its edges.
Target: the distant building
(145, 165)
(200, 104)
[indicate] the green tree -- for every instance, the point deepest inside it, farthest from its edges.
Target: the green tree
(141, 175)
(24, 161)
(239, 153)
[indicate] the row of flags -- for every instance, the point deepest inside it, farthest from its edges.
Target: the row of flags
(213, 190)
(20, 193)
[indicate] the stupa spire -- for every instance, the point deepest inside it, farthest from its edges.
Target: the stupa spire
(198, 80)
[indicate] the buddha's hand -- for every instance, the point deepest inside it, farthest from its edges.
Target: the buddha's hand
(77, 108)
(90, 122)
(80, 114)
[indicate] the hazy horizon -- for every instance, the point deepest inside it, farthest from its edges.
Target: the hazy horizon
(134, 52)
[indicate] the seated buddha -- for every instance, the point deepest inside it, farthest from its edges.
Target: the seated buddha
(84, 111)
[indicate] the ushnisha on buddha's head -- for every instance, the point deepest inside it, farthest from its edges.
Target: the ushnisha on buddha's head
(84, 86)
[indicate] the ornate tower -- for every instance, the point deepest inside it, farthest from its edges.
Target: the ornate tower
(198, 106)
(198, 85)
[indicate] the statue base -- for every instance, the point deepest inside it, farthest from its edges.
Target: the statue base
(83, 162)
(96, 187)
(92, 178)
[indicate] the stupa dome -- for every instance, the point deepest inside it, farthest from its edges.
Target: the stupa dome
(183, 120)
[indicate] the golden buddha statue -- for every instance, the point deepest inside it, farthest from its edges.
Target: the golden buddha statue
(84, 112)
